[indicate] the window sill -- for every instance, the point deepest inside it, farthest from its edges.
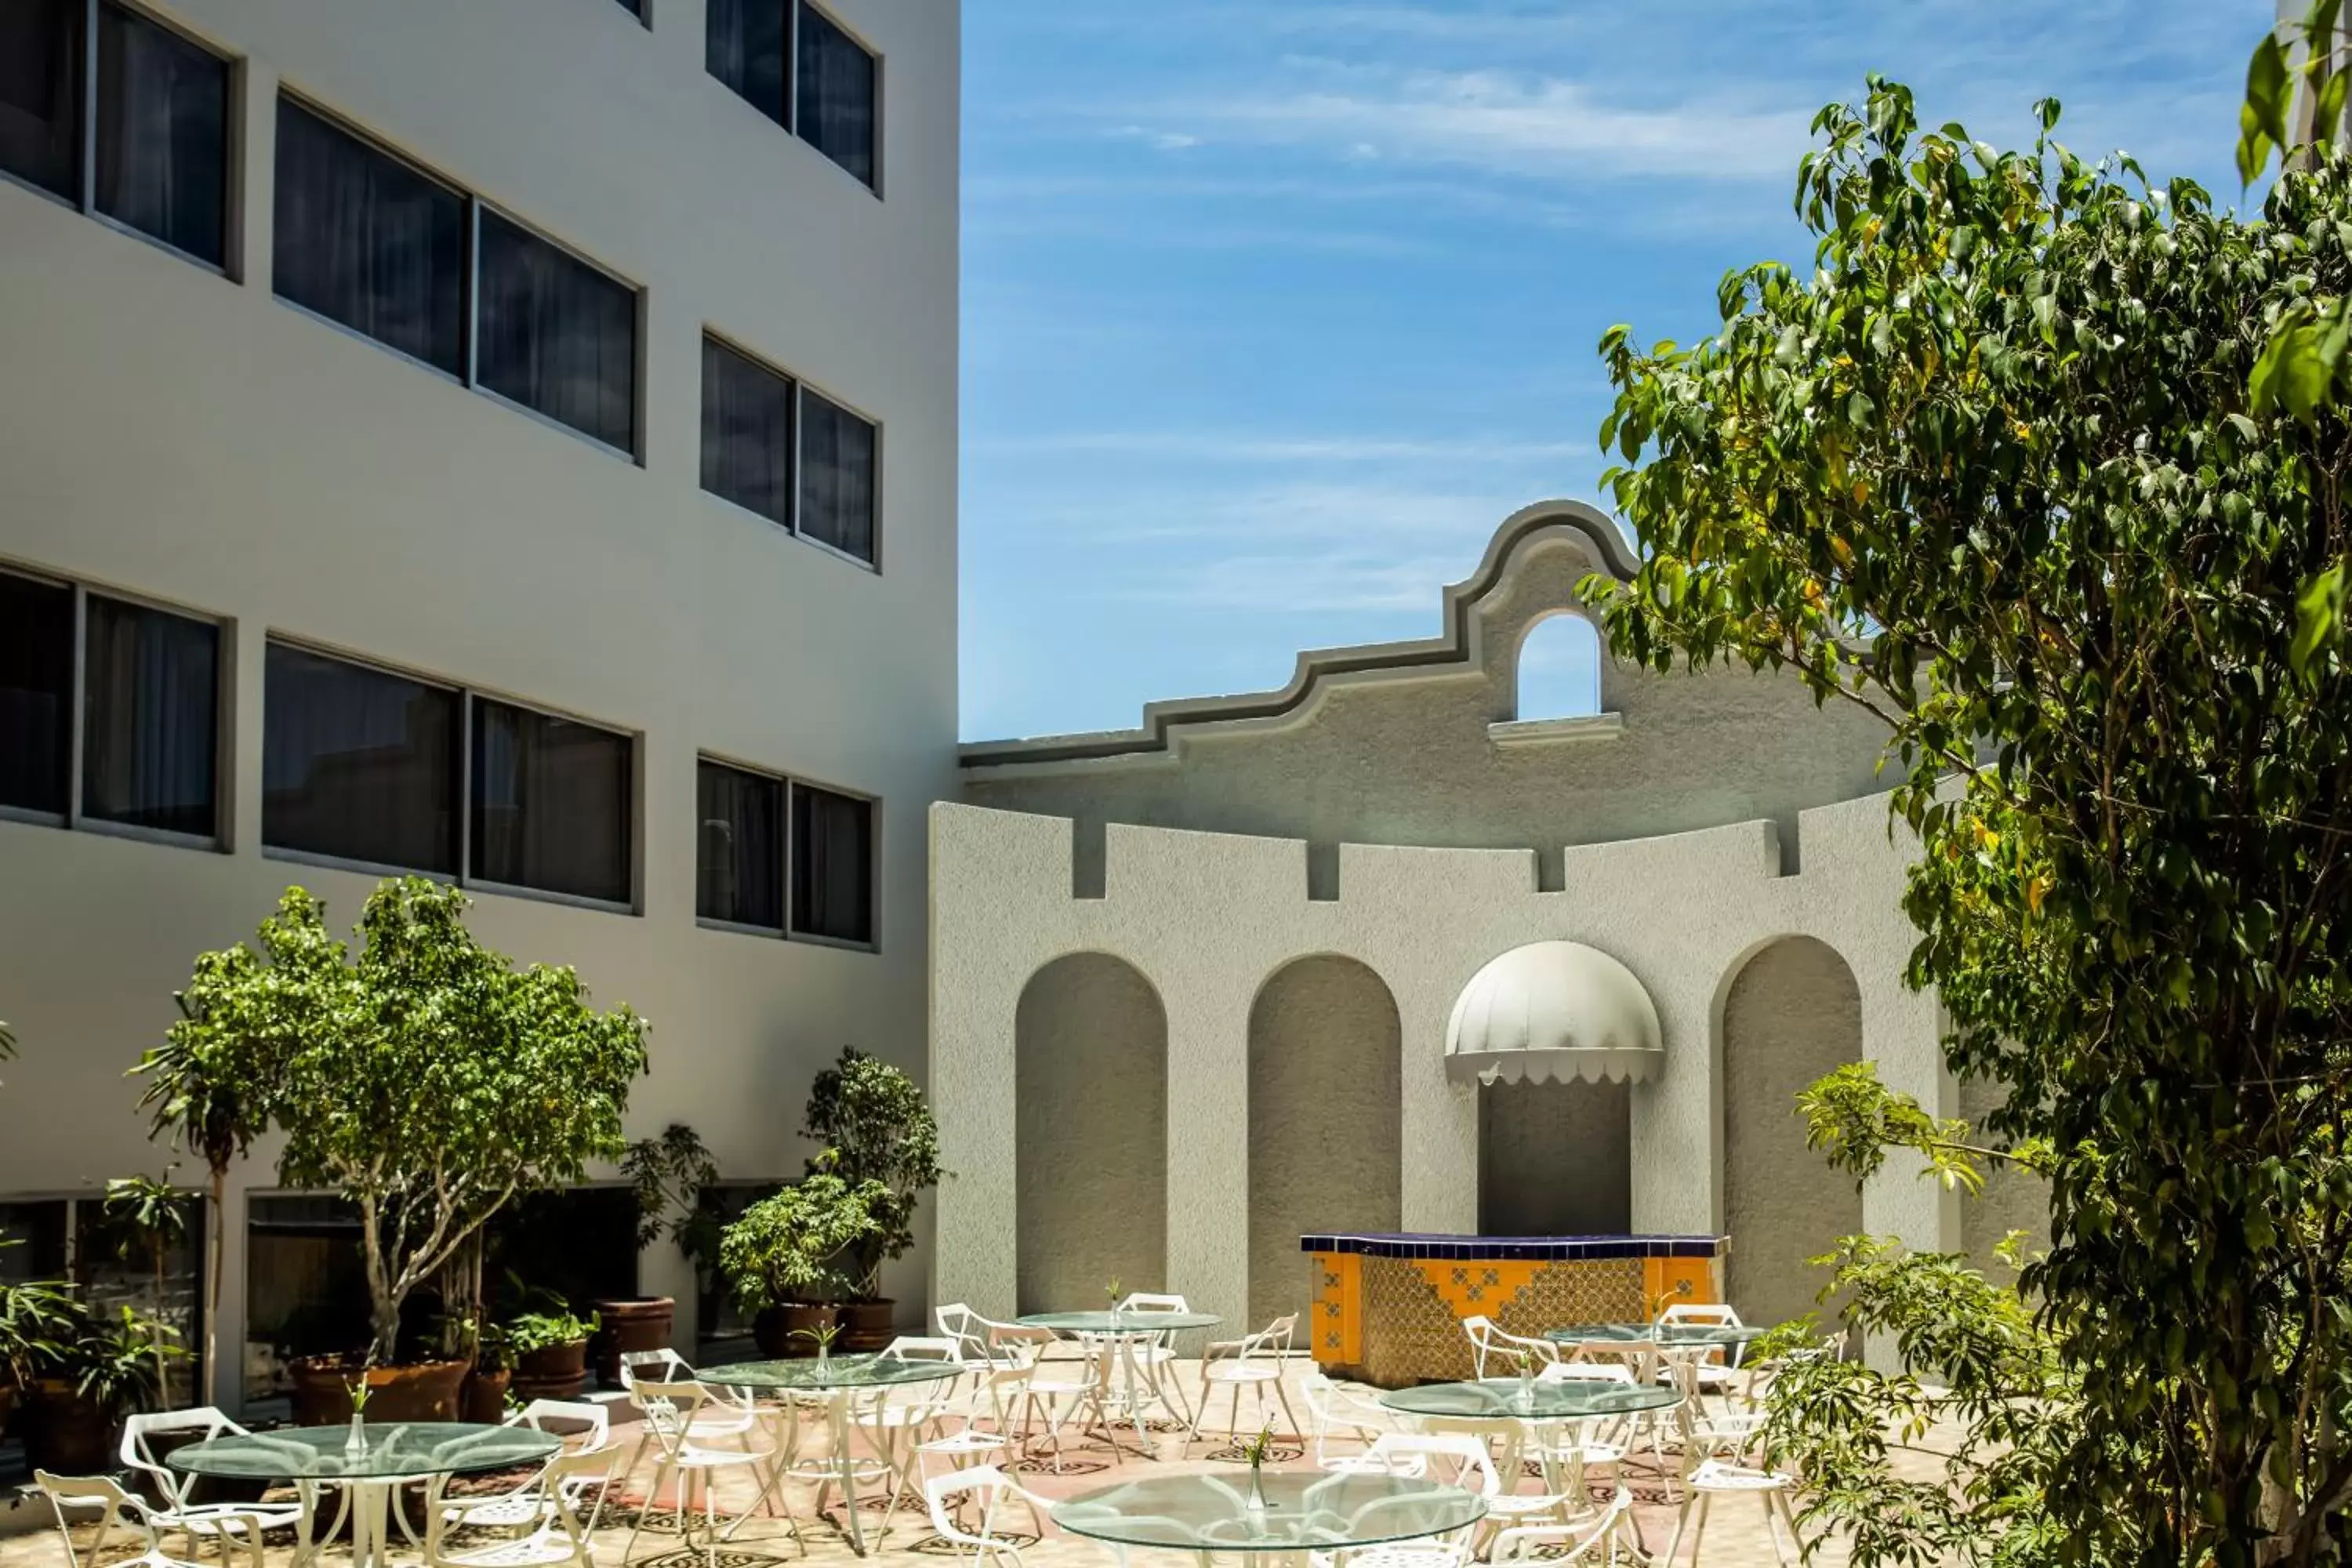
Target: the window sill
(210, 845)
(547, 896)
(1584, 727)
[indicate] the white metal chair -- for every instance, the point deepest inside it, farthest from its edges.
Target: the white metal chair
(990, 1486)
(1254, 1362)
(670, 1410)
(1450, 1551)
(898, 1422)
(1488, 1342)
(558, 1535)
(1152, 1356)
(118, 1507)
(1575, 1541)
(966, 1444)
(528, 1504)
(1715, 1479)
(1717, 1366)
(208, 1522)
(1331, 1409)
(1460, 1455)
(971, 1331)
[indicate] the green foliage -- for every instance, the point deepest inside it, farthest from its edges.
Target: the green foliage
(670, 1173)
(873, 1120)
(423, 1078)
(115, 1359)
(795, 1247)
(36, 1317)
(1993, 472)
(529, 1332)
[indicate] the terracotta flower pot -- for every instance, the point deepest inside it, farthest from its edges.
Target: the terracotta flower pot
(867, 1326)
(558, 1371)
(634, 1324)
(424, 1391)
(483, 1399)
(781, 1331)
(66, 1433)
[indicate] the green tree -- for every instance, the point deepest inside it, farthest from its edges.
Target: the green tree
(790, 1247)
(876, 1128)
(424, 1077)
(1994, 472)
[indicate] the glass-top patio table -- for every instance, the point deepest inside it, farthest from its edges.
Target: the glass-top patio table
(1507, 1399)
(834, 1379)
(395, 1452)
(1665, 1336)
(1127, 1329)
(1304, 1510)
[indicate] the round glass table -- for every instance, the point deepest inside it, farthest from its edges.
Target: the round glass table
(1304, 1510)
(837, 1379)
(1135, 1335)
(1127, 1323)
(395, 1452)
(1665, 1336)
(1508, 1399)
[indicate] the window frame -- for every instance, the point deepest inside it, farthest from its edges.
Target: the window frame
(84, 199)
(788, 783)
(791, 123)
(792, 525)
(470, 286)
(75, 818)
(467, 694)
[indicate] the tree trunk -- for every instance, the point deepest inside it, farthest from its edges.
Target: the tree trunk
(383, 1307)
(215, 1228)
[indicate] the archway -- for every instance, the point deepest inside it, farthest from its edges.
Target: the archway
(1559, 674)
(1326, 1119)
(1090, 1133)
(1555, 1159)
(1793, 1012)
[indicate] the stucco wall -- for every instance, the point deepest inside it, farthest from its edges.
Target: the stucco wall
(1325, 1135)
(170, 433)
(1555, 1159)
(1091, 1071)
(1793, 1013)
(2011, 1200)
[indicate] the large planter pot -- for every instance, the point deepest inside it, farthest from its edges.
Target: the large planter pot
(7, 1406)
(424, 1391)
(558, 1371)
(633, 1324)
(780, 1330)
(867, 1326)
(483, 1399)
(66, 1433)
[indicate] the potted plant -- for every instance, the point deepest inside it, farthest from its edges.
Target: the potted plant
(423, 1078)
(35, 1317)
(784, 1255)
(551, 1352)
(670, 1173)
(101, 1368)
(483, 1399)
(874, 1122)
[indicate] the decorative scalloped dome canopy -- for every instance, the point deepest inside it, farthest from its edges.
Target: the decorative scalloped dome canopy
(1553, 1010)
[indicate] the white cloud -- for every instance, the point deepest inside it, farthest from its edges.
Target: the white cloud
(1165, 140)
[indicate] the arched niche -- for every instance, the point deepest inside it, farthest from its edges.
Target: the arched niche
(1556, 1158)
(1090, 1133)
(1557, 673)
(1792, 1013)
(1326, 1119)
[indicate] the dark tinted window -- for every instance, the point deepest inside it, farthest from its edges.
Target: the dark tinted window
(557, 335)
(837, 476)
(744, 45)
(35, 693)
(833, 865)
(552, 803)
(150, 713)
(40, 93)
(835, 111)
(358, 764)
(366, 240)
(747, 433)
(738, 846)
(162, 134)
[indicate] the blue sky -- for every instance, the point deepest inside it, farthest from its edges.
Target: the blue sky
(1272, 311)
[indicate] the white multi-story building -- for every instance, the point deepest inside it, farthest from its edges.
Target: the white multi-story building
(514, 442)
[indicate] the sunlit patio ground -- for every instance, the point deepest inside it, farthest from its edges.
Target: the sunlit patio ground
(1736, 1532)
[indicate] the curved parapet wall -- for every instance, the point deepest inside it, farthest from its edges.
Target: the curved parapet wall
(1207, 919)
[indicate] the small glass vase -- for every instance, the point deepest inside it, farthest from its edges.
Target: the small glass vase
(823, 1355)
(1255, 1502)
(356, 1446)
(1527, 1396)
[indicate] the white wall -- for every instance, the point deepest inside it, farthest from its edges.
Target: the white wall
(172, 434)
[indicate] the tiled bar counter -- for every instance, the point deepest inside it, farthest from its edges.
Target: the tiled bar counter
(1388, 1309)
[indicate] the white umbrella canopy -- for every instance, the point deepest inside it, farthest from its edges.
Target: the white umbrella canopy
(1553, 1011)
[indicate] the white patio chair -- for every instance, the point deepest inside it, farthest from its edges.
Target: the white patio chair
(1460, 1455)
(1333, 1409)
(1715, 1479)
(1452, 1550)
(967, 1445)
(1059, 1387)
(991, 1487)
(527, 1503)
(1153, 1356)
(211, 1521)
(1576, 1541)
(1718, 1365)
(559, 1536)
(1580, 1444)
(670, 1410)
(1255, 1364)
(896, 1422)
(971, 1332)
(118, 1507)
(1488, 1342)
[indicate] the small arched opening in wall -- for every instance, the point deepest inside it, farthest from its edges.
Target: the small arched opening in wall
(1090, 1132)
(1790, 1013)
(1557, 673)
(1326, 1119)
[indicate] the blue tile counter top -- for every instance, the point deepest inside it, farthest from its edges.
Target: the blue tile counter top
(1529, 1248)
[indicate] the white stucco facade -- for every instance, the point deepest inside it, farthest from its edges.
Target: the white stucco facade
(1209, 918)
(173, 434)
